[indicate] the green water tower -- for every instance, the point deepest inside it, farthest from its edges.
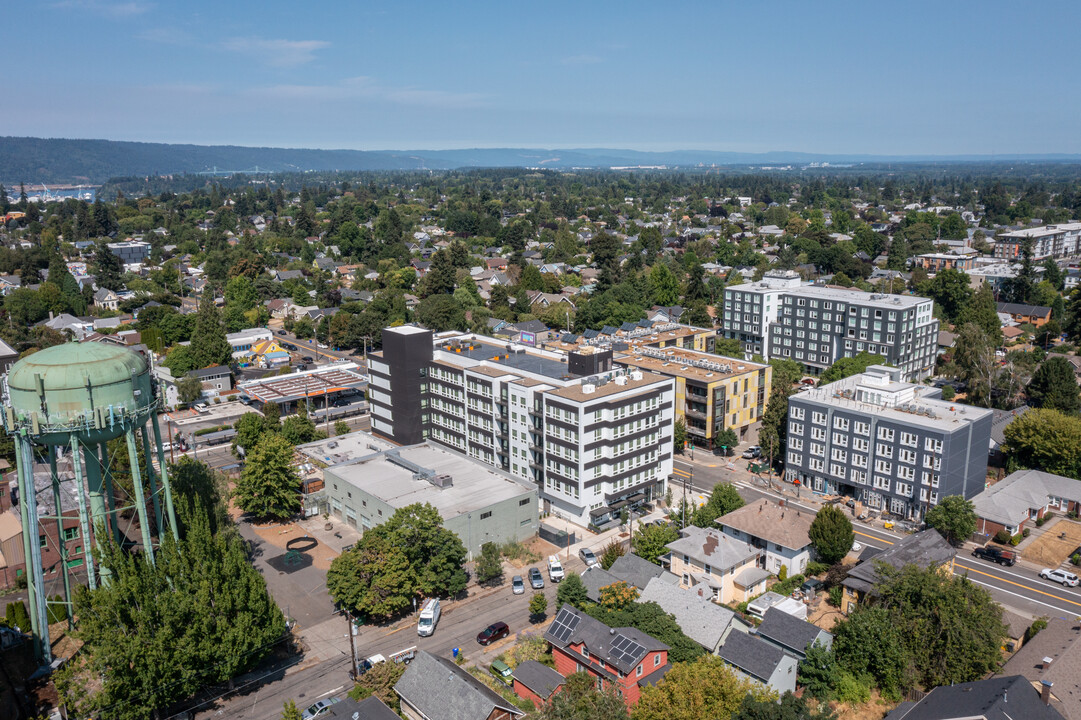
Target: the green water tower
(77, 397)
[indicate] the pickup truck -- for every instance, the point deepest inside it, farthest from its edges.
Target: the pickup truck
(555, 569)
(994, 554)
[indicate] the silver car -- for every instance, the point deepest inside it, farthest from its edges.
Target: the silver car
(517, 585)
(536, 580)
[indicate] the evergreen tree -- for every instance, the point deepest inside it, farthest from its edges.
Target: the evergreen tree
(831, 534)
(1054, 386)
(290, 711)
(1020, 288)
(982, 311)
(210, 346)
(489, 565)
(269, 486)
(573, 591)
(773, 434)
(108, 270)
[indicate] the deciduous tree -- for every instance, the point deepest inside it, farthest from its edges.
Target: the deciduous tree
(269, 486)
(374, 578)
(436, 555)
(705, 688)
(489, 564)
(580, 698)
(1046, 440)
(650, 541)
(954, 519)
(723, 500)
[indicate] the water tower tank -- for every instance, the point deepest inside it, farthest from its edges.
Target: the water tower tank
(92, 390)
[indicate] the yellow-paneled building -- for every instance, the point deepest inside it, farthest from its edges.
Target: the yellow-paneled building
(713, 393)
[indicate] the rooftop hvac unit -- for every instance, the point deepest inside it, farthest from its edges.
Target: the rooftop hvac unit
(588, 388)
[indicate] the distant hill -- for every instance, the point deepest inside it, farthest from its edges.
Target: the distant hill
(48, 160)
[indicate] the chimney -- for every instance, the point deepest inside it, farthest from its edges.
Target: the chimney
(1047, 662)
(1045, 691)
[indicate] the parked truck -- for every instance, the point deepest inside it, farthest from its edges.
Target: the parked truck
(555, 569)
(429, 617)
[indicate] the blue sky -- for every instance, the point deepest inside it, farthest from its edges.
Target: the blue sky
(944, 77)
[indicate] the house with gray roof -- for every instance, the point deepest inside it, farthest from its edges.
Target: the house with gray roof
(705, 622)
(536, 682)
(594, 579)
(728, 567)
(759, 661)
(924, 549)
(435, 688)
(792, 634)
(1000, 698)
(1024, 496)
(1051, 663)
(635, 571)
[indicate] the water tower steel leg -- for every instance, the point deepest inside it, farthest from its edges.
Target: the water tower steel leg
(93, 479)
(107, 474)
(35, 580)
(151, 483)
(140, 498)
(165, 487)
(60, 532)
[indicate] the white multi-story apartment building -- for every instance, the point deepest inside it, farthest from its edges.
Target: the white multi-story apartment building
(817, 326)
(1048, 241)
(751, 308)
(593, 439)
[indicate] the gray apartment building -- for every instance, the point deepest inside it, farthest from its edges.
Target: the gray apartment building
(817, 326)
(893, 445)
(479, 503)
(592, 439)
(131, 252)
(750, 309)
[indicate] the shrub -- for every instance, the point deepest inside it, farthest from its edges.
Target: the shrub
(1025, 533)
(852, 689)
(1002, 537)
(782, 574)
(816, 568)
(1048, 515)
(786, 586)
(1076, 559)
(835, 596)
(1040, 522)
(1015, 540)
(515, 550)
(1037, 625)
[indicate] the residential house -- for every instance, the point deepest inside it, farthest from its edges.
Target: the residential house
(283, 275)
(925, 549)
(729, 568)
(791, 634)
(8, 357)
(533, 332)
(536, 682)
(496, 263)
(370, 708)
(10, 283)
(998, 698)
(65, 323)
(594, 579)
(780, 531)
(636, 571)
(937, 262)
(624, 659)
(759, 661)
(1021, 497)
(1051, 663)
(1001, 420)
(279, 307)
(1017, 627)
(436, 688)
(107, 299)
(215, 379)
(1036, 315)
(703, 621)
(244, 340)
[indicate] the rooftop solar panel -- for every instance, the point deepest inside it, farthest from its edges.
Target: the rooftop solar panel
(564, 624)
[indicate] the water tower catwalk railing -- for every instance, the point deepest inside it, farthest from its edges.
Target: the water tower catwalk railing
(40, 439)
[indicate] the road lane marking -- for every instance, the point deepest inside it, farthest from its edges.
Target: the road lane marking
(328, 692)
(873, 537)
(1023, 597)
(1026, 587)
(1007, 572)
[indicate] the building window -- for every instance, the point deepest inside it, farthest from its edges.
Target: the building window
(523, 502)
(485, 515)
(656, 660)
(71, 533)
(638, 671)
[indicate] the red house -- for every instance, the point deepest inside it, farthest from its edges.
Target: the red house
(625, 659)
(536, 682)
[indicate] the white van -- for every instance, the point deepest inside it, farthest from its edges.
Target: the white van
(429, 617)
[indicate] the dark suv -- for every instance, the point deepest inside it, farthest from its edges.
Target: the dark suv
(994, 554)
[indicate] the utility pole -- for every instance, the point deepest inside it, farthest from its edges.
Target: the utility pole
(352, 646)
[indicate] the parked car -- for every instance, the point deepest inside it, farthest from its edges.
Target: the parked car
(493, 632)
(517, 585)
(321, 707)
(809, 585)
(555, 569)
(289, 346)
(857, 547)
(281, 332)
(588, 557)
(307, 358)
(752, 452)
(1068, 579)
(996, 555)
(321, 346)
(536, 580)
(342, 402)
(201, 407)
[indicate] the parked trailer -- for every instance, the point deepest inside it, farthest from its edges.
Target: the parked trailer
(217, 438)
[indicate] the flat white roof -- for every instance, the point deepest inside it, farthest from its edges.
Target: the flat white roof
(474, 484)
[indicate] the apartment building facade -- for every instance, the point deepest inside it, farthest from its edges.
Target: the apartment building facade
(750, 309)
(819, 325)
(593, 439)
(1048, 241)
(712, 393)
(892, 445)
